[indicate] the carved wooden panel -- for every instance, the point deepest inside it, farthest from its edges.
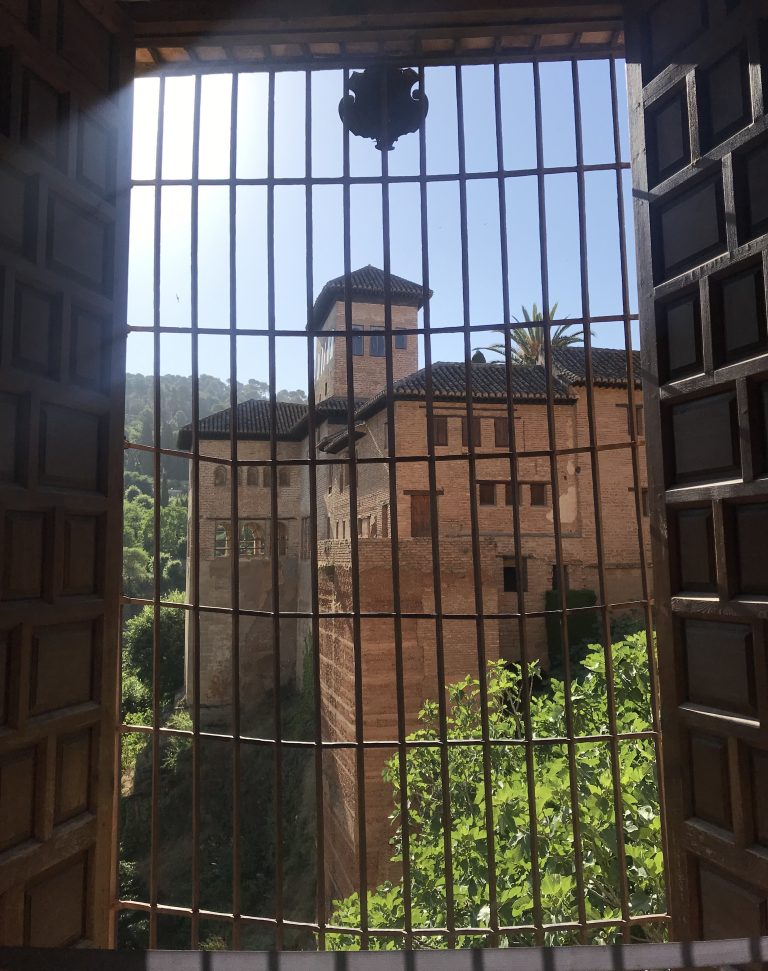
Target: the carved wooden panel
(64, 147)
(697, 81)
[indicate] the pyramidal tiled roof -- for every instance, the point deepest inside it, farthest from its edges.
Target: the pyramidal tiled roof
(366, 283)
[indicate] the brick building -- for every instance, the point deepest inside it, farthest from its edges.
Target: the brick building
(286, 583)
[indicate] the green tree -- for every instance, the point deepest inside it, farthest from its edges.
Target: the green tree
(527, 343)
(138, 640)
(137, 572)
(507, 691)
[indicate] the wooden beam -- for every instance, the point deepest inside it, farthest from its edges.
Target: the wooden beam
(188, 21)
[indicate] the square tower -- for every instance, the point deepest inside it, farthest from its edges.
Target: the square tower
(369, 349)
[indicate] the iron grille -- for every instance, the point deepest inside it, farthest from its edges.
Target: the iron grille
(442, 614)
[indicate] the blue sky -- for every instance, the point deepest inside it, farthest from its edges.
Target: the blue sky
(485, 283)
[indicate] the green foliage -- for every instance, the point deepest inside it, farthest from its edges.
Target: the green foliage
(143, 483)
(137, 572)
(583, 627)
(508, 689)
(527, 343)
(139, 539)
(257, 833)
(137, 655)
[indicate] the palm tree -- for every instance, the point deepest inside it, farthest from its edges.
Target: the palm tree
(527, 343)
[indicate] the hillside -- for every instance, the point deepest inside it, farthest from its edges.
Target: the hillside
(176, 411)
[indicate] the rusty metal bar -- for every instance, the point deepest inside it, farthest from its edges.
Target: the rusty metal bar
(554, 481)
(313, 537)
(362, 836)
(434, 535)
(597, 505)
(235, 528)
(437, 329)
(500, 173)
(155, 740)
(275, 521)
(482, 660)
(394, 533)
(194, 552)
(514, 457)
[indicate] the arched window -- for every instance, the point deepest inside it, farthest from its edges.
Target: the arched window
(251, 540)
(282, 539)
(221, 539)
(220, 475)
(252, 476)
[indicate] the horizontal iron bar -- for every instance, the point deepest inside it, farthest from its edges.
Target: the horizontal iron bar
(386, 743)
(385, 614)
(437, 329)
(378, 180)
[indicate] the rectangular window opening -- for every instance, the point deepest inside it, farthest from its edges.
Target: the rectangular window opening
(306, 602)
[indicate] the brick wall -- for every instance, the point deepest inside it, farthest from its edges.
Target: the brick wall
(497, 542)
(368, 372)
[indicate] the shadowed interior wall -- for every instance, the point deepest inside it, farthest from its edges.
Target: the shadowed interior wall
(64, 150)
(700, 165)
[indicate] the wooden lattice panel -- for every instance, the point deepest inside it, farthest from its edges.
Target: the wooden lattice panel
(63, 231)
(700, 160)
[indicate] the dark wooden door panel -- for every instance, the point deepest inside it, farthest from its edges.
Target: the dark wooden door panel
(64, 148)
(699, 129)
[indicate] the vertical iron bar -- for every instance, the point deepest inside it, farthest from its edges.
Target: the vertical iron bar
(155, 787)
(356, 632)
(474, 524)
(553, 473)
(618, 800)
(235, 527)
(394, 535)
(275, 523)
(313, 537)
(514, 474)
(193, 569)
(626, 308)
(437, 582)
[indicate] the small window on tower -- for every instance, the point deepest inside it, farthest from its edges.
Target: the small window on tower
(440, 427)
(284, 478)
(401, 342)
(538, 493)
(501, 429)
(378, 346)
(357, 341)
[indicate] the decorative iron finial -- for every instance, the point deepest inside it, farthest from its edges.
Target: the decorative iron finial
(373, 89)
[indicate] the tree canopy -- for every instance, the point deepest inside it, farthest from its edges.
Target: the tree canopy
(527, 343)
(603, 870)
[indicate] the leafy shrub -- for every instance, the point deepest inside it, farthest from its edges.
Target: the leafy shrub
(138, 642)
(513, 836)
